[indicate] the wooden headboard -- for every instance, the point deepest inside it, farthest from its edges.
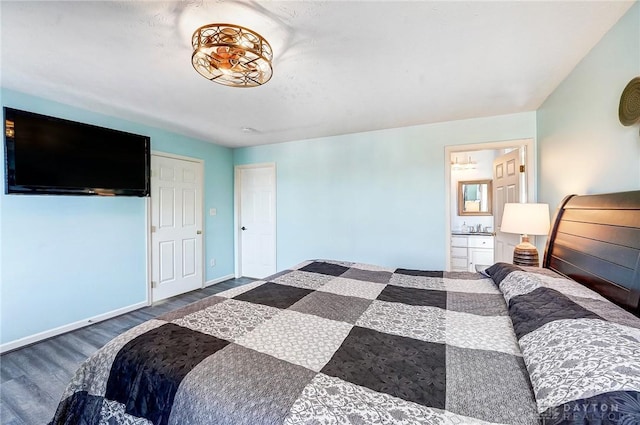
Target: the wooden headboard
(595, 240)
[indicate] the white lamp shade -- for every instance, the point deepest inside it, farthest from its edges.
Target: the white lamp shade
(525, 219)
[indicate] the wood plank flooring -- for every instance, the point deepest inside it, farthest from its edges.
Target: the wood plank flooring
(33, 378)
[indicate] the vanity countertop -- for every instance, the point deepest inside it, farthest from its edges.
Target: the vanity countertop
(473, 233)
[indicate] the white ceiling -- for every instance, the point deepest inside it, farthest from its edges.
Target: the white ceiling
(339, 67)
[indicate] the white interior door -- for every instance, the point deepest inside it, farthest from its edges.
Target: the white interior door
(257, 220)
(506, 189)
(176, 226)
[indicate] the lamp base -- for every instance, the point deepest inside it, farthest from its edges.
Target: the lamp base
(526, 254)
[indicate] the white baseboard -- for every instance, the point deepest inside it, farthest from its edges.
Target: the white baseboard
(31, 339)
(218, 280)
(12, 345)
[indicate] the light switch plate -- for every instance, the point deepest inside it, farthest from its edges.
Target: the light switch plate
(213, 211)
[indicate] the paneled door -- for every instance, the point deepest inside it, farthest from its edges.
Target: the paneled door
(257, 219)
(506, 189)
(176, 226)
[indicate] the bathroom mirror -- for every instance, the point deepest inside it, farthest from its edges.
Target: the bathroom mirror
(474, 197)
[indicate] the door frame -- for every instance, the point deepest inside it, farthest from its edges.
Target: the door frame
(237, 240)
(531, 188)
(148, 222)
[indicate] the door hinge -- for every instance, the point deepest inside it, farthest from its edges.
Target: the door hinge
(522, 168)
(153, 229)
(154, 284)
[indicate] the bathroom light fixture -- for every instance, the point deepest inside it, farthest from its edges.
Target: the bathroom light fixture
(467, 165)
(231, 55)
(525, 219)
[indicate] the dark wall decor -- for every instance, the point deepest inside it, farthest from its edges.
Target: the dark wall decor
(629, 110)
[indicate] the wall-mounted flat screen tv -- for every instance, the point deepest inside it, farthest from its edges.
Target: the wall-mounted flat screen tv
(47, 155)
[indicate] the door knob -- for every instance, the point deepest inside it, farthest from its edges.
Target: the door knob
(198, 232)
(243, 228)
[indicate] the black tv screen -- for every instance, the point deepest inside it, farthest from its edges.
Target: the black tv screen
(47, 155)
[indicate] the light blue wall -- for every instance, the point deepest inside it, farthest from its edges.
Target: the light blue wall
(376, 197)
(68, 258)
(583, 148)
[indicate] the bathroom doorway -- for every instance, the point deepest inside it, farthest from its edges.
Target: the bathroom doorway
(475, 162)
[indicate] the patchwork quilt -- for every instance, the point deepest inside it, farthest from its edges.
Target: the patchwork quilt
(325, 342)
(331, 342)
(582, 352)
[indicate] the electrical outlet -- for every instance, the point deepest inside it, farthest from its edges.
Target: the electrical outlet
(212, 262)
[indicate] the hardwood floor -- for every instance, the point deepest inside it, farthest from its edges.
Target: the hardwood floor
(33, 378)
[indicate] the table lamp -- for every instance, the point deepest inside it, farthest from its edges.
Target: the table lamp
(525, 219)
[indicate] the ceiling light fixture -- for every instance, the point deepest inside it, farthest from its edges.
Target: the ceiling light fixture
(231, 55)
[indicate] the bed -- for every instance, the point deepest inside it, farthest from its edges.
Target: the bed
(335, 342)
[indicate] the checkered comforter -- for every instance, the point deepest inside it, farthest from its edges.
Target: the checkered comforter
(582, 351)
(324, 342)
